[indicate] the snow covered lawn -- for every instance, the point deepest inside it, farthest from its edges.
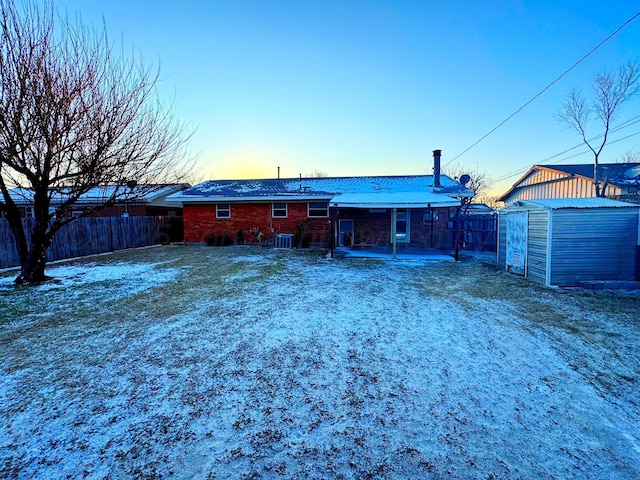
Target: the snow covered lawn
(189, 362)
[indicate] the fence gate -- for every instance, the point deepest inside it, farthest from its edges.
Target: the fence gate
(479, 232)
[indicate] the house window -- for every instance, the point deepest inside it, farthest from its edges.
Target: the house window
(430, 216)
(318, 209)
(223, 210)
(279, 210)
(76, 213)
(29, 212)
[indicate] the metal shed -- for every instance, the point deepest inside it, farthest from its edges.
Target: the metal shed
(564, 241)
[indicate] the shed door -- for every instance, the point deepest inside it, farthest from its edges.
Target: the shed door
(516, 260)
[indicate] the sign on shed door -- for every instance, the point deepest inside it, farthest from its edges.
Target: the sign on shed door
(516, 242)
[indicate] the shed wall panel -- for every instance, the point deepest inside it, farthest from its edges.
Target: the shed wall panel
(537, 245)
(501, 256)
(593, 244)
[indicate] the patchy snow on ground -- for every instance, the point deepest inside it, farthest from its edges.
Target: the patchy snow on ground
(132, 278)
(292, 366)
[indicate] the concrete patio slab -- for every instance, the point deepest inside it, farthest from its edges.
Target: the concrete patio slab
(403, 252)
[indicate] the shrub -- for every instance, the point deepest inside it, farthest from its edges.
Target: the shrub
(215, 240)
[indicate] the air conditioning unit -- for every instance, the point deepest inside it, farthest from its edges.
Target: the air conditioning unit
(284, 240)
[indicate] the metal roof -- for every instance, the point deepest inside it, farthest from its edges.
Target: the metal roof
(559, 203)
(322, 188)
(616, 173)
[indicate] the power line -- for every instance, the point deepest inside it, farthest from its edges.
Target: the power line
(628, 123)
(623, 125)
(522, 170)
(547, 87)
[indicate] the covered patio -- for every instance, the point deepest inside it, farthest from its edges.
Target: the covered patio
(385, 252)
(396, 225)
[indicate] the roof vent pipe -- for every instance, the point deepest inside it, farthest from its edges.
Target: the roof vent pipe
(436, 169)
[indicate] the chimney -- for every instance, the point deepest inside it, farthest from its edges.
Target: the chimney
(436, 169)
(278, 173)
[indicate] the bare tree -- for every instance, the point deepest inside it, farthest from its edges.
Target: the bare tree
(75, 115)
(317, 174)
(630, 156)
(610, 92)
(489, 200)
(479, 182)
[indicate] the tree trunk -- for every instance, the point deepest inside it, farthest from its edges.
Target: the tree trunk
(596, 178)
(32, 270)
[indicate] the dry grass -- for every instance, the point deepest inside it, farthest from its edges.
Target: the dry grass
(193, 362)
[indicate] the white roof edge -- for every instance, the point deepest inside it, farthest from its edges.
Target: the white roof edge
(451, 203)
(394, 200)
(278, 198)
(576, 203)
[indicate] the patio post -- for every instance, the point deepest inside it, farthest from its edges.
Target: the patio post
(332, 240)
(394, 217)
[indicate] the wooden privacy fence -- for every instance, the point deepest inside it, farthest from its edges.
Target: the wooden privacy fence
(478, 232)
(91, 235)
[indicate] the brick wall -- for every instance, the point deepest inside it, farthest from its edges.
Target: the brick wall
(436, 234)
(200, 221)
(136, 211)
(370, 227)
(118, 210)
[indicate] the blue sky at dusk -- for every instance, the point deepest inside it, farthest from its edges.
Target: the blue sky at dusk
(372, 87)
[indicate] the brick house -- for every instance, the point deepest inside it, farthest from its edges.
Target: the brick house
(328, 212)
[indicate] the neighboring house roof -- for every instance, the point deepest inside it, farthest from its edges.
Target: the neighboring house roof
(146, 194)
(619, 174)
(478, 208)
(404, 191)
(565, 203)
(615, 173)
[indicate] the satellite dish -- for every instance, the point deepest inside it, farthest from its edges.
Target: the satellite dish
(633, 172)
(464, 179)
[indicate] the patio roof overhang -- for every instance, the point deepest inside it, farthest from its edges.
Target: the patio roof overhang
(394, 200)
